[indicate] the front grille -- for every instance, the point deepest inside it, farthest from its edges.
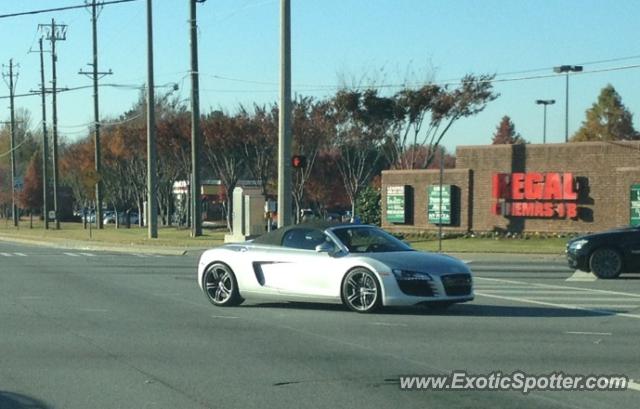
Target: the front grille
(417, 287)
(457, 284)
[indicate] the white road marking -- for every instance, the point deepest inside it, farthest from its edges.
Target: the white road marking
(634, 386)
(535, 291)
(587, 333)
(389, 324)
(564, 287)
(140, 255)
(594, 299)
(20, 254)
(88, 254)
(71, 254)
(582, 276)
(557, 305)
(6, 254)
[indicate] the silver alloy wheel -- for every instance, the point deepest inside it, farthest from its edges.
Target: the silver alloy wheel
(360, 290)
(606, 263)
(219, 284)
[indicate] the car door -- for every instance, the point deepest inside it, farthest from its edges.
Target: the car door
(299, 270)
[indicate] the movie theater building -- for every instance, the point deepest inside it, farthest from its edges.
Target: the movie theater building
(568, 187)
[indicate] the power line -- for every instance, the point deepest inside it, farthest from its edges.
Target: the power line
(26, 13)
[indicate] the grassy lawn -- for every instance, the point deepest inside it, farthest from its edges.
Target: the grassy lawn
(490, 245)
(167, 236)
(174, 237)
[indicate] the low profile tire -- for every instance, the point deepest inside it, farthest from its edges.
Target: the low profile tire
(220, 285)
(606, 263)
(361, 291)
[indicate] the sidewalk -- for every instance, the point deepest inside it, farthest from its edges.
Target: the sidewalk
(88, 245)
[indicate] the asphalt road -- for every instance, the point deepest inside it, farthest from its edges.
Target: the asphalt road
(82, 330)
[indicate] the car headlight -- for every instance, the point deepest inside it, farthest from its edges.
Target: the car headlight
(578, 244)
(410, 275)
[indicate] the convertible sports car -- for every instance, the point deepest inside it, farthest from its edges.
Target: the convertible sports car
(361, 266)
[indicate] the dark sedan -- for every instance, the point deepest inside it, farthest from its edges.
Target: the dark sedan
(607, 254)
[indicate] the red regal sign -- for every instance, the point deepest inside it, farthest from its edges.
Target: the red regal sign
(535, 194)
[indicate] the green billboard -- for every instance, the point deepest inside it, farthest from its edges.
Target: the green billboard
(439, 204)
(635, 205)
(396, 204)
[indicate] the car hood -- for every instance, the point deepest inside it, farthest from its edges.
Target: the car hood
(432, 263)
(606, 233)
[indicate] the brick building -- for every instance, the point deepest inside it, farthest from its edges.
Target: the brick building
(568, 187)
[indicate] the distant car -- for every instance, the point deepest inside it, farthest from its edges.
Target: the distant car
(110, 218)
(360, 266)
(607, 254)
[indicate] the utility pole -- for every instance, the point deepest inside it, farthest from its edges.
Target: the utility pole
(45, 144)
(95, 75)
(54, 33)
(284, 120)
(152, 211)
(14, 206)
(196, 206)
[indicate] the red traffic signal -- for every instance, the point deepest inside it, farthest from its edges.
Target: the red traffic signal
(298, 161)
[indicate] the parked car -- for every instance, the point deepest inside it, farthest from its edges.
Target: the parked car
(361, 266)
(110, 217)
(606, 254)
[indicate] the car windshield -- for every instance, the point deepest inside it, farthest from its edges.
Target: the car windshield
(369, 240)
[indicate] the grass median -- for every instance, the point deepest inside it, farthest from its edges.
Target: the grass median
(109, 235)
(181, 237)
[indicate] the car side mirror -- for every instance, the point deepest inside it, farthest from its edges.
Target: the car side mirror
(324, 248)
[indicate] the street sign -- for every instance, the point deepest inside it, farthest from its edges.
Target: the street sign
(396, 204)
(635, 205)
(434, 207)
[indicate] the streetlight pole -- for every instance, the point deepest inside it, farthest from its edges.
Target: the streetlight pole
(196, 207)
(545, 102)
(566, 69)
(284, 120)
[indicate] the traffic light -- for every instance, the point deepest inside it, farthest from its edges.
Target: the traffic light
(298, 161)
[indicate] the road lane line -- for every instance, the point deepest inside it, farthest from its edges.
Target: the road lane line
(557, 305)
(591, 299)
(564, 287)
(587, 333)
(20, 254)
(389, 324)
(534, 291)
(71, 254)
(6, 254)
(88, 254)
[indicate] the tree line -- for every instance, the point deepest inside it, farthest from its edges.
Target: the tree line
(347, 139)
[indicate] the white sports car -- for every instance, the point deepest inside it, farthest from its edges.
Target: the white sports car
(361, 266)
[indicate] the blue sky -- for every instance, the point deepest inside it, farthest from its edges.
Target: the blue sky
(386, 42)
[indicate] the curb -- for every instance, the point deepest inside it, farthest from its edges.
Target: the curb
(83, 245)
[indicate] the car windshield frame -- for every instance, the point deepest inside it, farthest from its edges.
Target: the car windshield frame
(361, 239)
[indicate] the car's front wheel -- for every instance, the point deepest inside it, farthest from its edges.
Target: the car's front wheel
(606, 263)
(361, 290)
(220, 285)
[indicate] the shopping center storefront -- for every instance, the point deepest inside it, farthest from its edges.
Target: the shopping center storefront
(572, 187)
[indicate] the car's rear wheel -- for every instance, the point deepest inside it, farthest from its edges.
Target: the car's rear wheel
(605, 263)
(220, 285)
(361, 290)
